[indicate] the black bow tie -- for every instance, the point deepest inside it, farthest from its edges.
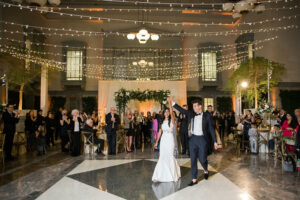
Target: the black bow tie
(198, 114)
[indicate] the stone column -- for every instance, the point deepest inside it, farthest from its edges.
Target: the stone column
(101, 109)
(44, 90)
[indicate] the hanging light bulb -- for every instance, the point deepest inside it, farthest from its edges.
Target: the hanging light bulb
(154, 37)
(130, 36)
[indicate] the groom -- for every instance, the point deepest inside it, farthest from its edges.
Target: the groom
(199, 128)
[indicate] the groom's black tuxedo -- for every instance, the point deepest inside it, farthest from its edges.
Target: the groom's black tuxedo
(199, 144)
(207, 127)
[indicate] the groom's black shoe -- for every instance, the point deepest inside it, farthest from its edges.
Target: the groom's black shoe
(206, 175)
(192, 183)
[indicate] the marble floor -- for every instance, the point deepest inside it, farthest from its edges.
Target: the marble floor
(128, 176)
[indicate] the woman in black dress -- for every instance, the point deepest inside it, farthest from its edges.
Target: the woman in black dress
(75, 127)
(30, 128)
(50, 128)
(129, 130)
(64, 124)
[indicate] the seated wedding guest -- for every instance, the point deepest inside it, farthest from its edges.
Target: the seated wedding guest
(129, 129)
(75, 126)
(275, 133)
(40, 141)
(30, 129)
(88, 127)
(247, 121)
(95, 118)
(50, 129)
(253, 138)
(240, 126)
(112, 121)
(10, 119)
(64, 125)
(288, 130)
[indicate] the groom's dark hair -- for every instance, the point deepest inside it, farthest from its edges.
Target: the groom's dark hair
(198, 101)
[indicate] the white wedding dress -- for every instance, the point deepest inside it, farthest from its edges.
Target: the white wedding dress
(167, 168)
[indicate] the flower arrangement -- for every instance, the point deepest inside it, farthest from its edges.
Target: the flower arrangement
(265, 108)
(122, 97)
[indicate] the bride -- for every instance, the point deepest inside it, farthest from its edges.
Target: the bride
(167, 168)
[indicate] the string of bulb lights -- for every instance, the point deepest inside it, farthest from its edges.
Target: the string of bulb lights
(42, 10)
(49, 65)
(180, 55)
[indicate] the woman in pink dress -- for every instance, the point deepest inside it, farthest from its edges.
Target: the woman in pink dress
(288, 130)
(154, 127)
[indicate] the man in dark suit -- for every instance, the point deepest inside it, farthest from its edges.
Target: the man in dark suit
(10, 119)
(200, 128)
(183, 131)
(112, 122)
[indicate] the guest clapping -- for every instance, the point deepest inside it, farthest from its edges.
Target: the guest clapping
(75, 125)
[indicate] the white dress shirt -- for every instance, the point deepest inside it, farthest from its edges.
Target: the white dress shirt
(76, 126)
(198, 125)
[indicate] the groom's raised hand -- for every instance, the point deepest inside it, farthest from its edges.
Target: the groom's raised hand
(170, 100)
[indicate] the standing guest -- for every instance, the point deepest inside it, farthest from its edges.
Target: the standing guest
(149, 128)
(212, 114)
(282, 117)
(30, 129)
(57, 118)
(143, 126)
(253, 138)
(50, 128)
(155, 127)
(288, 130)
(221, 123)
(40, 120)
(64, 124)
(230, 122)
(112, 122)
(10, 119)
(40, 140)
(247, 121)
(183, 131)
(129, 129)
(75, 125)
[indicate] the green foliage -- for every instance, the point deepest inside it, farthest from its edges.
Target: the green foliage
(57, 102)
(17, 74)
(89, 104)
(122, 97)
(252, 69)
(190, 99)
(224, 104)
(290, 99)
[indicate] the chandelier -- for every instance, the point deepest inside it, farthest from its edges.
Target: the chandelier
(143, 36)
(143, 63)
